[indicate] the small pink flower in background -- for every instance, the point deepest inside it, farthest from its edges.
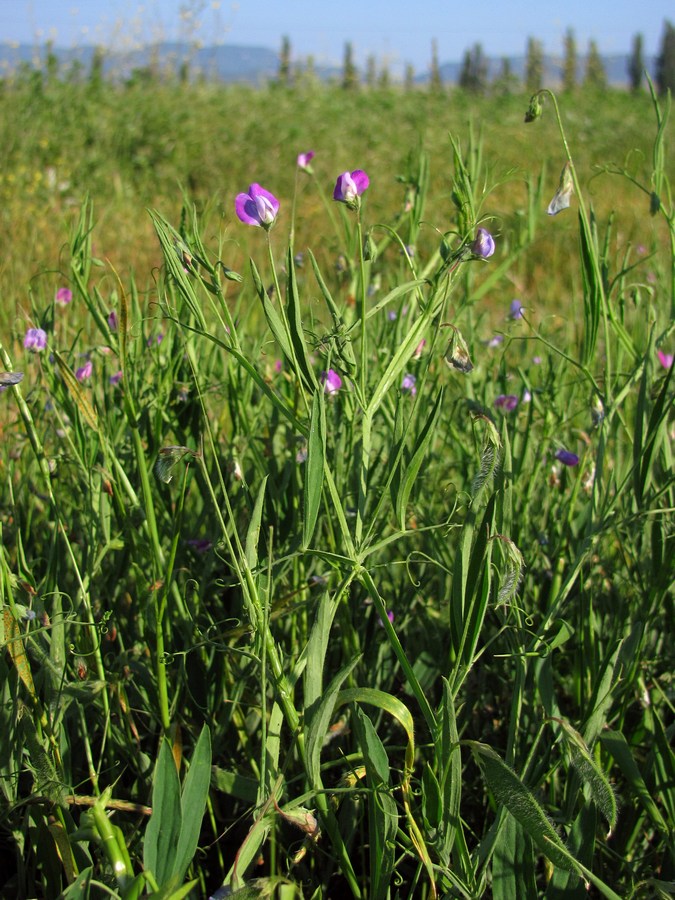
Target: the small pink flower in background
(331, 381)
(516, 310)
(566, 457)
(390, 616)
(495, 341)
(156, 340)
(419, 349)
(278, 365)
(258, 207)
(527, 396)
(116, 378)
(349, 187)
(666, 359)
(536, 360)
(35, 340)
(112, 320)
(84, 371)
(304, 160)
(483, 244)
(63, 296)
(506, 402)
(409, 384)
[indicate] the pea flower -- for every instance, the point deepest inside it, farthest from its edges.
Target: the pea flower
(258, 207)
(566, 457)
(35, 340)
(116, 378)
(506, 402)
(666, 359)
(112, 320)
(561, 198)
(516, 310)
(84, 371)
(304, 160)
(349, 187)
(409, 384)
(483, 244)
(331, 381)
(63, 296)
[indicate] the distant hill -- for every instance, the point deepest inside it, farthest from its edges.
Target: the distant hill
(253, 65)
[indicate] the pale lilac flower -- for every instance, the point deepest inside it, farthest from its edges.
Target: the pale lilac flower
(506, 402)
(516, 310)
(349, 187)
(258, 207)
(331, 381)
(301, 455)
(536, 360)
(63, 296)
(304, 160)
(409, 384)
(527, 396)
(392, 315)
(666, 359)
(35, 340)
(561, 198)
(483, 244)
(156, 340)
(84, 371)
(116, 378)
(112, 320)
(496, 340)
(566, 457)
(390, 616)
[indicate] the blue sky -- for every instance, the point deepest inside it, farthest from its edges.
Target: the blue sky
(398, 31)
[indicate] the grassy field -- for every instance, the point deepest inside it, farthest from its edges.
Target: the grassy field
(336, 555)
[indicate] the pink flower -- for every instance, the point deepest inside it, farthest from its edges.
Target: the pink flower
(84, 371)
(506, 402)
(419, 349)
(349, 187)
(666, 359)
(63, 296)
(331, 381)
(409, 384)
(304, 160)
(116, 378)
(35, 340)
(258, 207)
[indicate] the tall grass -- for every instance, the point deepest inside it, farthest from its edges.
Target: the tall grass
(404, 638)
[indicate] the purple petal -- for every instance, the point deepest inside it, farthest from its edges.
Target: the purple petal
(245, 209)
(566, 457)
(345, 189)
(255, 191)
(361, 180)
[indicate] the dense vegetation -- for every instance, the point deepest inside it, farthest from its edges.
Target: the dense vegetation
(336, 558)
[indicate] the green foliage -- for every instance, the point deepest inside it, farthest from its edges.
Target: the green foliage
(289, 642)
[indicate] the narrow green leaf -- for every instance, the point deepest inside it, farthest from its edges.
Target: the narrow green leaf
(513, 863)
(591, 773)
(193, 803)
(316, 457)
(295, 324)
(617, 745)
(164, 827)
(253, 533)
(509, 790)
(421, 445)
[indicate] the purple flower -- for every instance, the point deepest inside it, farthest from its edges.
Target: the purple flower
(84, 371)
(516, 310)
(116, 378)
(112, 320)
(155, 340)
(566, 457)
(63, 296)
(199, 545)
(390, 616)
(409, 384)
(495, 341)
(392, 315)
(506, 402)
(304, 160)
(258, 207)
(331, 381)
(536, 360)
(35, 340)
(350, 186)
(483, 244)
(666, 359)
